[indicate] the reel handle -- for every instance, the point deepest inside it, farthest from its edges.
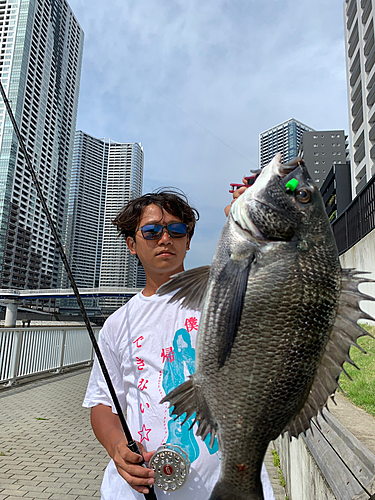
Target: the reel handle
(133, 446)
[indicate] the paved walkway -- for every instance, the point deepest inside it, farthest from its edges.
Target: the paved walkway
(47, 447)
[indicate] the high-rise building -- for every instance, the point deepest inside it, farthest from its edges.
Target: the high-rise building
(124, 182)
(284, 138)
(322, 149)
(360, 69)
(105, 176)
(84, 234)
(336, 190)
(40, 66)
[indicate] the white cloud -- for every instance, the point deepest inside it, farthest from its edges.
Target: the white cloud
(163, 73)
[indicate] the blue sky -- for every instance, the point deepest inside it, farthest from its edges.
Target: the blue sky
(196, 82)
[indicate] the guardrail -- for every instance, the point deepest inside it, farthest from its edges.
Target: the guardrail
(357, 220)
(36, 350)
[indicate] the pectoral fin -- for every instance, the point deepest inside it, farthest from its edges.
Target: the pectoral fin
(231, 289)
(185, 400)
(190, 286)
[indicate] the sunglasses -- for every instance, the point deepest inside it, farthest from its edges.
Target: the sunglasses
(155, 231)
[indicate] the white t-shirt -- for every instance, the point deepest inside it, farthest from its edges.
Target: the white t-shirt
(149, 349)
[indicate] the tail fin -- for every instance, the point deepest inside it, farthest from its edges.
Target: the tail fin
(225, 491)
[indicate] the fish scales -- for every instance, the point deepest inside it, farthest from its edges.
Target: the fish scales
(278, 369)
(270, 346)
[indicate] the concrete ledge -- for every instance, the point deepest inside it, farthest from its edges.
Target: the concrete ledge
(328, 463)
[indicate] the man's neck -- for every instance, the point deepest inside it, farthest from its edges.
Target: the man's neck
(153, 282)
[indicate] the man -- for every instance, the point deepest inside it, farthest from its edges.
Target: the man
(149, 348)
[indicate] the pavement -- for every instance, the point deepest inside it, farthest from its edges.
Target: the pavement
(360, 423)
(47, 447)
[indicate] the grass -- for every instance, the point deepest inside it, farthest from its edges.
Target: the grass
(276, 463)
(3, 453)
(361, 391)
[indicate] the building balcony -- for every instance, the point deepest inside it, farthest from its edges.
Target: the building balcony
(366, 12)
(355, 71)
(371, 96)
(370, 60)
(361, 184)
(360, 153)
(368, 45)
(357, 122)
(357, 105)
(351, 12)
(371, 134)
(355, 90)
(353, 46)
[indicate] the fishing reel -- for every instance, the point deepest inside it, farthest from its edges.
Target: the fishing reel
(171, 465)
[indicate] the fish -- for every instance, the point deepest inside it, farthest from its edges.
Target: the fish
(279, 316)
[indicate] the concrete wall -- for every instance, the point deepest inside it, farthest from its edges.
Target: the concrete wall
(303, 478)
(329, 463)
(362, 257)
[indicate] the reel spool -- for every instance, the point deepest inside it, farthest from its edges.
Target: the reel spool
(171, 465)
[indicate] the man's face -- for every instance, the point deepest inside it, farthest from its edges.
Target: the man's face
(165, 255)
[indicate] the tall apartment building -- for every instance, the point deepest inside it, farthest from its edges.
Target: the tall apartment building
(84, 234)
(360, 69)
(40, 66)
(124, 182)
(105, 176)
(321, 150)
(284, 138)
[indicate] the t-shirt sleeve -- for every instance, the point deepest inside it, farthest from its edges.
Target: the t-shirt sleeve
(97, 390)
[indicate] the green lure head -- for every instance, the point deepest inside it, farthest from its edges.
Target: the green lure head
(291, 186)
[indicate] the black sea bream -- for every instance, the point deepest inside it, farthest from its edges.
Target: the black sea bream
(278, 318)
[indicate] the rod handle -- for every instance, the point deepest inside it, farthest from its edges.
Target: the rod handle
(133, 446)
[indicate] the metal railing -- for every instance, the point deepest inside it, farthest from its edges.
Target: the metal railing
(357, 220)
(36, 350)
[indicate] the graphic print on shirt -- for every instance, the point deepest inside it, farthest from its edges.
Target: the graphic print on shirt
(142, 385)
(179, 363)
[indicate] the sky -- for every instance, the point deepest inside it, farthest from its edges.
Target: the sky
(196, 82)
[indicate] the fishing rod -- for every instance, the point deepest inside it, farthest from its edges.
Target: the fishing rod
(132, 445)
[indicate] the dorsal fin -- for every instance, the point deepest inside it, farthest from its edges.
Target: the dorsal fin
(344, 334)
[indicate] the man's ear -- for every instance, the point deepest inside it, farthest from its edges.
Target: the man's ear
(131, 245)
(188, 244)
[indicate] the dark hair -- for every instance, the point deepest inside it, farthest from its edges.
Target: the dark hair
(172, 201)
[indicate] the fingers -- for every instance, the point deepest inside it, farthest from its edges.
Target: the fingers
(127, 464)
(237, 193)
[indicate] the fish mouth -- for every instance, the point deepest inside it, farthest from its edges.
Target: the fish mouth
(255, 193)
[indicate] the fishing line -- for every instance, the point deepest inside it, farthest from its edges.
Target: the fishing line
(371, 497)
(132, 445)
(206, 129)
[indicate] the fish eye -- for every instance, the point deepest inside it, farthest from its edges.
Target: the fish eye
(303, 195)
